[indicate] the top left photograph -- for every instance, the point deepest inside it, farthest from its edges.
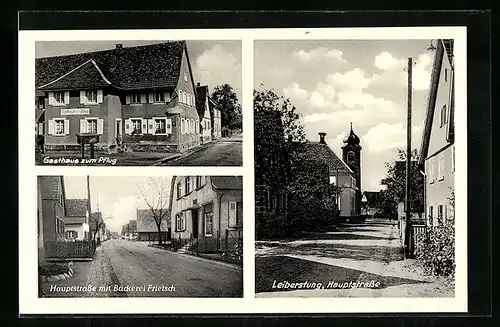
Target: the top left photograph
(138, 103)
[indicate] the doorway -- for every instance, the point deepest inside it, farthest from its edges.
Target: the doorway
(194, 216)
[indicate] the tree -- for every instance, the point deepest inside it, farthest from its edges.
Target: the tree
(395, 181)
(227, 100)
(98, 225)
(156, 196)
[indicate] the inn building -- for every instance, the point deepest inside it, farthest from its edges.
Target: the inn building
(142, 98)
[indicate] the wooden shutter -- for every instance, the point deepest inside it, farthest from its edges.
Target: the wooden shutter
(100, 126)
(144, 126)
(66, 97)
(180, 96)
(51, 126)
(51, 98)
(66, 127)
(167, 97)
(143, 98)
(168, 127)
(83, 126)
(128, 126)
(182, 126)
(232, 213)
(151, 98)
(127, 99)
(82, 97)
(239, 214)
(151, 126)
(99, 96)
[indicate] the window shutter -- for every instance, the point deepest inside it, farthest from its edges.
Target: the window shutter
(99, 96)
(232, 213)
(168, 128)
(183, 222)
(182, 126)
(66, 126)
(82, 97)
(128, 126)
(239, 214)
(127, 99)
(151, 126)
(167, 96)
(180, 96)
(100, 126)
(51, 127)
(66, 97)
(143, 98)
(51, 98)
(144, 125)
(189, 99)
(151, 98)
(83, 126)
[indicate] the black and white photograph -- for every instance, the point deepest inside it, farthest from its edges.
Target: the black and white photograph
(122, 236)
(354, 168)
(138, 103)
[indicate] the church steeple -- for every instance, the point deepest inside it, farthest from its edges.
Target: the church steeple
(352, 138)
(351, 154)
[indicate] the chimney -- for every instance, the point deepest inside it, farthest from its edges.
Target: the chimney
(198, 84)
(119, 46)
(322, 138)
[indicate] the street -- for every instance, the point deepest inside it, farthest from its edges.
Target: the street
(123, 268)
(227, 152)
(329, 264)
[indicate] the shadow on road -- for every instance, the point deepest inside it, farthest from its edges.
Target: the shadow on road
(283, 268)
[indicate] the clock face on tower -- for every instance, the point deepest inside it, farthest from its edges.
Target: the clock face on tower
(351, 158)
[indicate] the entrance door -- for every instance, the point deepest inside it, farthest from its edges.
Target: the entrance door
(194, 216)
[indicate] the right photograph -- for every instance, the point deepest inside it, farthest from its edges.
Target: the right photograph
(354, 168)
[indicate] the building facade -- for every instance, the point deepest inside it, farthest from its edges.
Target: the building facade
(206, 209)
(76, 220)
(437, 159)
(142, 98)
(147, 229)
(51, 209)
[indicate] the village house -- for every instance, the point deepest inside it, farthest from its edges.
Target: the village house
(339, 173)
(437, 154)
(141, 98)
(76, 220)
(51, 209)
(147, 230)
(207, 210)
(209, 113)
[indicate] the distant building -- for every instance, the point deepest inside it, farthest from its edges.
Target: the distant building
(147, 229)
(370, 203)
(76, 220)
(437, 154)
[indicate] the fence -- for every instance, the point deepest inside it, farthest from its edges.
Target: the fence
(233, 244)
(68, 250)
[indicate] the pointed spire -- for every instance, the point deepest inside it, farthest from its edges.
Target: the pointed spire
(351, 126)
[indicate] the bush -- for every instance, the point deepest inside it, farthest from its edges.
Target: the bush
(437, 251)
(52, 269)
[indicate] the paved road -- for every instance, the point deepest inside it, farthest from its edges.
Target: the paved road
(224, 153)
(166, 274)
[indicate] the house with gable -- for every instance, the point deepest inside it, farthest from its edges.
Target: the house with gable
(76, 220)
(437, 153)
(147, 230)
(142, 97)
(51, 208)
(207, 211)
(210, 111)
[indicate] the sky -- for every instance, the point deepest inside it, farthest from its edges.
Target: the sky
(213, 62)
(117, 197)
(333, 83)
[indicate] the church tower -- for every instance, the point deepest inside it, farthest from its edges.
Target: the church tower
(351, 154)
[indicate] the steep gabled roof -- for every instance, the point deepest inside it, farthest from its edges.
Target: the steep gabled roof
(431, 100)
(227, 182)
(146, 221)
(129, 68)
(321, 151)
(76, 207)
(87, 75)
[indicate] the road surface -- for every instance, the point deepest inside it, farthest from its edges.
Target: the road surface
(123, 268)
(224, 153)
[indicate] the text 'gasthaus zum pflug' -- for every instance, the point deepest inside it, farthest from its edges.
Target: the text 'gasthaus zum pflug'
(113, 288)
(77, 161)
(330, 285)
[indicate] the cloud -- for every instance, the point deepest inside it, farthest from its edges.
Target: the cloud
(123, 210)
(394, 71)
(383, 137)
(319, 53)
(294, 91)
(352, 80)
(219, 65)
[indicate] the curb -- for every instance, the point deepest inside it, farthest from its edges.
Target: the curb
(167, 159)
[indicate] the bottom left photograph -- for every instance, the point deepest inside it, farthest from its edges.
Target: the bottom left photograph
(126, 236)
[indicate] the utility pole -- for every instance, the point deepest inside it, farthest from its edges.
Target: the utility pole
(408, 163)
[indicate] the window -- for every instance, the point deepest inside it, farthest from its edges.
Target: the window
(58, 126)
(209, 222)
(136, 126)
(40, 103)
(180, 96)
(199, 182)
(187, 185)
(430, 215)
(185, 77)
(350, 156)
(180, 222)
(440, 167)
(431, 170)
(72, 234)
(235, 214)
(160, 126)
(184, 97)
(440, 215)
(135, 98)
(59, 98)
(446, 74)
(443, 116)
(92, 126)
(90, 96)
(179, 190)
(159, 97)
(189, 100)
(333, 180)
